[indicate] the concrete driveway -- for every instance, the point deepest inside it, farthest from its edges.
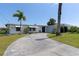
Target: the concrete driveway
(40, 45)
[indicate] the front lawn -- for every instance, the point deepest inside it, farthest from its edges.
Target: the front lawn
(6, 40)
(67, 38)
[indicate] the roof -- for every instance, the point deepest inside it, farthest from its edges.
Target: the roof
(33, 26)
(25, 25)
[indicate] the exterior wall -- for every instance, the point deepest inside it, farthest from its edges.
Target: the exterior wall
(12, 29)
(50, 29)
(37, 29)
(40, 28)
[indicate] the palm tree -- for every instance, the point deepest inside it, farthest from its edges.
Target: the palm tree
(59, 18)
(20, 16)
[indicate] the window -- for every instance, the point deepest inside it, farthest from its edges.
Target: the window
(17, 28)
(33, 29)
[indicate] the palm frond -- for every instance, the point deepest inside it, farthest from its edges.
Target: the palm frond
(20, 15)
(18, 11)
(19, 18)
(16, 15)
(24, 18)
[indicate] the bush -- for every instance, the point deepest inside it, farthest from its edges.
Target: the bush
(73, 29)
(63, 29)
(26, 30)
(77, 30)
(3, 31)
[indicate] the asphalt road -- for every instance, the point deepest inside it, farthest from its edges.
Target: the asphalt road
(39, 44)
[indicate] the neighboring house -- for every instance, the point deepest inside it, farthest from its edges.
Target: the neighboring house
(15, 28)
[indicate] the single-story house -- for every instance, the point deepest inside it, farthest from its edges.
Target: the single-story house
(15, 28)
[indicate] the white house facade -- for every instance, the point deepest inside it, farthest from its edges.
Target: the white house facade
(15, 28)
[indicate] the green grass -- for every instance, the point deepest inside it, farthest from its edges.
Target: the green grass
(67, 38)
(6, 40)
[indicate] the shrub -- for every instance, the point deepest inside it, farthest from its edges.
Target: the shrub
(26, 30)
(62, 29)
(77, 30)
(3, 31)
(73, 29)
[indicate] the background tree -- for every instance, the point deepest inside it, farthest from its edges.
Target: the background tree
(59, 18)
(51, 21)
(73, 29)
(20, 16)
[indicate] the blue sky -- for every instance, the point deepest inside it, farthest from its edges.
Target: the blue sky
(39, 13)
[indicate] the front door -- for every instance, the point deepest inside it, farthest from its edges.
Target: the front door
(43, 29)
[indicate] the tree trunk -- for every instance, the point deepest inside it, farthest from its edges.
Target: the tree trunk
(59, 19)
(20, 26)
